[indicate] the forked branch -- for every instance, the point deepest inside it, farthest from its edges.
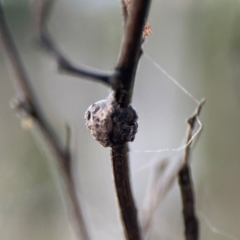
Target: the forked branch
(121, 81)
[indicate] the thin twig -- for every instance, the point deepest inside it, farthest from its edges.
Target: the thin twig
(43, 13)
(186, 185)
(27, 107)
(124, 192)
(192, 121)
(165, 179)
(130, 51)
(187, 194)
(126, 70)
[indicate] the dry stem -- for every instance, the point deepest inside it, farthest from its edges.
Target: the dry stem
(186, 185)
(42, 15)
(165, 179)
(125, 76)
(124, 193)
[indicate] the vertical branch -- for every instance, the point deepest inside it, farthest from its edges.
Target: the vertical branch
(124, 193)
(130, 51)
(186, 185)
(125, 75)
(21, 86)
(27, 107)
(164, 180)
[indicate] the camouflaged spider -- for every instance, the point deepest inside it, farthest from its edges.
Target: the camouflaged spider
(110, 124)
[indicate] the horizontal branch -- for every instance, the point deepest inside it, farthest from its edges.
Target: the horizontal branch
(42, 15)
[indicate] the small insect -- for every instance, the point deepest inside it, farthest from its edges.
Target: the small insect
(110, 124)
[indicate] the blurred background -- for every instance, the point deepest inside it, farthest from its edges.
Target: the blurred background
(198, 43)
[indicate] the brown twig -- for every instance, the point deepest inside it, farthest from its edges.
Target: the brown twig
(42, 15)
(124, 193)
(130, 51)
(28, 109)
(126, 70)
(164, 180)
(186, 185)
